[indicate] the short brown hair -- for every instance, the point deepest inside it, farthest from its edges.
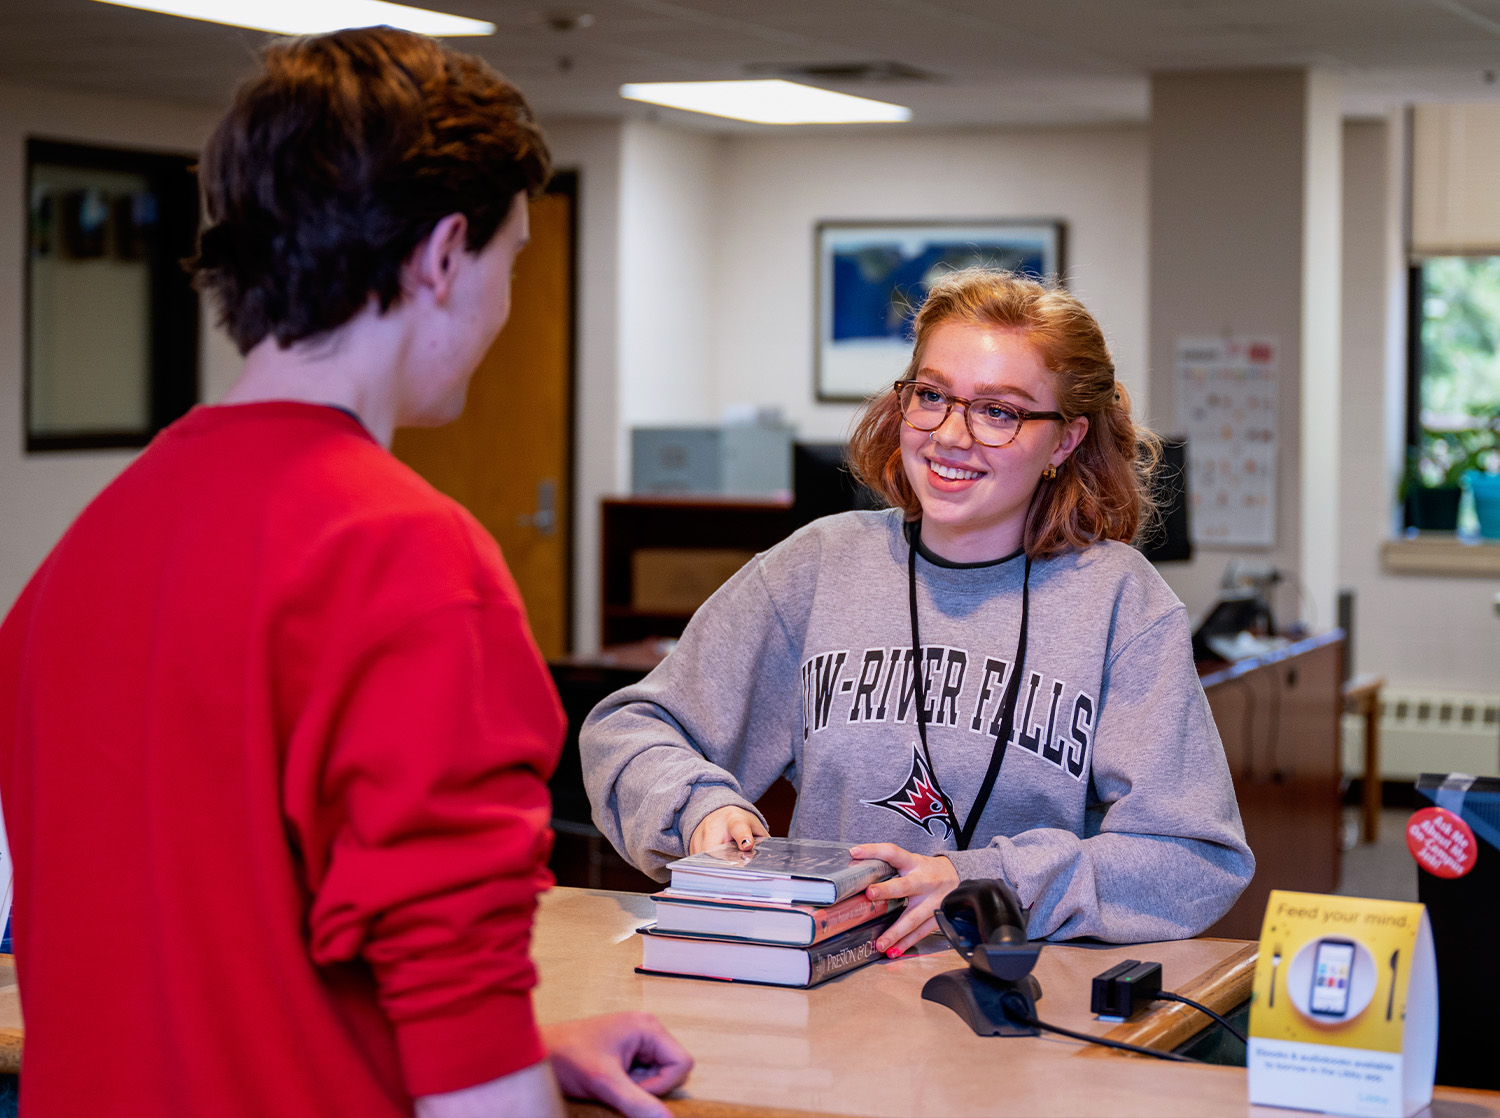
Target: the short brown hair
(336, 160)
(1102, 492)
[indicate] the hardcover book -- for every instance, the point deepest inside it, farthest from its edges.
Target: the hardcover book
(776, 964)
(780, 868)
(765, 920)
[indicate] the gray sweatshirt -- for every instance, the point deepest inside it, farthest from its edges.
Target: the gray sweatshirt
(1113, 815)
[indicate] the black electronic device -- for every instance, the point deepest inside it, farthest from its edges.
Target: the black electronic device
(822, 483)
(1167, 537)
(1236, 611)
(1125, 988)
(1346, 623)
(996, 993)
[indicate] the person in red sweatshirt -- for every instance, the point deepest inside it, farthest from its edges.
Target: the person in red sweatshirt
(274, 734)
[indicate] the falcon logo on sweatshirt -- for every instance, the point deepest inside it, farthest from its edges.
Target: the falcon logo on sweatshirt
(918, 800)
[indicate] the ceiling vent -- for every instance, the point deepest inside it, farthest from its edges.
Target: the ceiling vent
(886, 73)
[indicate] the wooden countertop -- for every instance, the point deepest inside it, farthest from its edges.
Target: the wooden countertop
(866, 1043)
(1217, 671)
(10, 1017)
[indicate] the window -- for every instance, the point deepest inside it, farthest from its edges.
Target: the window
(1454, 395)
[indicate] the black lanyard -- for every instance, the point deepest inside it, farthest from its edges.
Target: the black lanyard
(1007, 708)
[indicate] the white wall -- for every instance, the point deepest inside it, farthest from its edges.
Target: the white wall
(711, 238)
(776, 189)
(41, 493)
(1416, 631)
(1234, 187)
(669, 219)
(1319, 438)
(646, 223)
(695, 292)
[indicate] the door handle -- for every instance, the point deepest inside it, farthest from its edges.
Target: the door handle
(544, 520)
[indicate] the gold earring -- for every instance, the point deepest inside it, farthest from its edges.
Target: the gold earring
(1049, 474)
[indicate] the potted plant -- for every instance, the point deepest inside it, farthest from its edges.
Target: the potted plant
(1481, 474)
(1430, 485)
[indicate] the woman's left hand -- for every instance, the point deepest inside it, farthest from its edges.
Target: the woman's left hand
(924, 882)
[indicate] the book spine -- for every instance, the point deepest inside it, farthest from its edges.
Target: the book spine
(847, 913)
(846, 951)
(859, 877)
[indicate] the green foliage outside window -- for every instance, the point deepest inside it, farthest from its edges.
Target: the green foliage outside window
(1460, 373)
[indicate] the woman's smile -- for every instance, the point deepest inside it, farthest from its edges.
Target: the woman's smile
(953, 473)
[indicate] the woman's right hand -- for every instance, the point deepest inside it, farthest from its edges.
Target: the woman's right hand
(727, 824)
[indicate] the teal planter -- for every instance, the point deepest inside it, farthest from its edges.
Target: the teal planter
(1486, 491)
(1433, 510)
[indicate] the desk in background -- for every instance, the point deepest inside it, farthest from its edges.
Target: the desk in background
(582, 856)
(1362, 698)
(661, 556)
(1278, 716)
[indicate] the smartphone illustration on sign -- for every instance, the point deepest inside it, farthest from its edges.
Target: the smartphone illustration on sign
(1333, 967)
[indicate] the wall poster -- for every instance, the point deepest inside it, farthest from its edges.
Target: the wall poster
(1226, 404)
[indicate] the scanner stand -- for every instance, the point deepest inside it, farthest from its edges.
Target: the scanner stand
(979, 1002)
(986, 925)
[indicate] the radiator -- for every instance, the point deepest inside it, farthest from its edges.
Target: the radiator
(1426, 731)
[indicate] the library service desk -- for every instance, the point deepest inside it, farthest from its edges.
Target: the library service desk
(866, 1043)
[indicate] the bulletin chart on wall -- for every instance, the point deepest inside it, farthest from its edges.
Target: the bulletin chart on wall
(1226, 405)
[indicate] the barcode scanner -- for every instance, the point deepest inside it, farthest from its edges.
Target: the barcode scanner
(986, 925)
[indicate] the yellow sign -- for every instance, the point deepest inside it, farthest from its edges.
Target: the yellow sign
(1344, 1012)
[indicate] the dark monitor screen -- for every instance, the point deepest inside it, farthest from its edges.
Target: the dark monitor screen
(822, 484)
(1165, 539)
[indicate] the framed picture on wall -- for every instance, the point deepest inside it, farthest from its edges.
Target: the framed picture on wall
(872, 276)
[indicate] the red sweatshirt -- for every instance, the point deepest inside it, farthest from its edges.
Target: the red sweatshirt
(273, 743)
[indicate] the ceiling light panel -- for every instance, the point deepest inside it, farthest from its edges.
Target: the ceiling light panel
(311, 17)
(770, 101)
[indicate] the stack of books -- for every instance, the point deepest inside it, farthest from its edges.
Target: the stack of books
(790, 912)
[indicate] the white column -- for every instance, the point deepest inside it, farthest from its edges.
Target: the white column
(1245, 239)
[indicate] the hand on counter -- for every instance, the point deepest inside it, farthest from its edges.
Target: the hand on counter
(923, 881)
(623, 1059)
(727, 824)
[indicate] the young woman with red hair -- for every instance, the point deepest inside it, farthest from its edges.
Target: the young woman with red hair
(983, 681)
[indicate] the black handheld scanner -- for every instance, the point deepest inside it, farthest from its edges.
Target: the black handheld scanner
(985, 923)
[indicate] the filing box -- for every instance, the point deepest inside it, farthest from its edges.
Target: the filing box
(750, 459)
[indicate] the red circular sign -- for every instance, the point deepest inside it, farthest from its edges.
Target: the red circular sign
(1441, 842)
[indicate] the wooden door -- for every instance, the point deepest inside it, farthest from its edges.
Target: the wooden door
(516, 478)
